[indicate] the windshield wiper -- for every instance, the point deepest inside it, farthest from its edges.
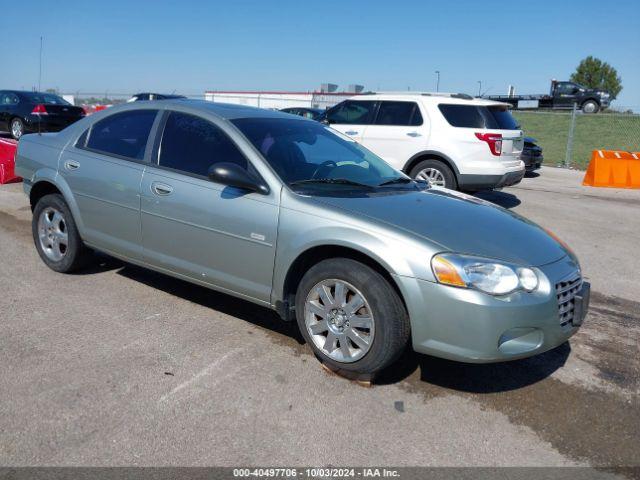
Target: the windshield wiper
(336, 181)
(396, 180)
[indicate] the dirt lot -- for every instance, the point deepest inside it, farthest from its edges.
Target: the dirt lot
(121, 366)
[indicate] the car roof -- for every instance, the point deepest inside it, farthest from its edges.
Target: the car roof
(430, 98)
(226, 111)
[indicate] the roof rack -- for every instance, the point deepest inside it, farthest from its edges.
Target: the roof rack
(463, 96)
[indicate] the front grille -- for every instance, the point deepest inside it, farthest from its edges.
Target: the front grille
(566, 292)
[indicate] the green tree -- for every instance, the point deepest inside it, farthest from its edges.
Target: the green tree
(594, 73)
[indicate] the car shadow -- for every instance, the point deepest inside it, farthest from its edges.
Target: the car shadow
(477, 378)
(499, 197)
(465, 377)
(227, 304)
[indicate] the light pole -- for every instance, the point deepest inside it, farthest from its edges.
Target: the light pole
(438, 80)
(40, 68)
(479, 88)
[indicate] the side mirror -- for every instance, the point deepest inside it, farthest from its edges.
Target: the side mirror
(235, 176)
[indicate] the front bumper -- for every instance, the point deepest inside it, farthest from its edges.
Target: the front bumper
(532, 159)
(470, 326)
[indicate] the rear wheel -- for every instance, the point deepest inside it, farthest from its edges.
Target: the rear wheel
(351, 317)
(17, 128)
(590, 106)
(56, 235)
(437, 173)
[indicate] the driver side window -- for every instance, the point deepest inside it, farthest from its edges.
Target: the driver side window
(191, 145)
(352, 112)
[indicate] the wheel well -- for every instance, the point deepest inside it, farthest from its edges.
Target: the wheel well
(595, 100)
(431, 156)
(315, 255)
(39, 190)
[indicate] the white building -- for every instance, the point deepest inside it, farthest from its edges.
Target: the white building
(279, 100)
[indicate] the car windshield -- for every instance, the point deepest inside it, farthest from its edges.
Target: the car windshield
(47, 99)
(309, 154)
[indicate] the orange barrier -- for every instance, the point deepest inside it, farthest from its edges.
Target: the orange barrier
(7, 160)
(609, 168)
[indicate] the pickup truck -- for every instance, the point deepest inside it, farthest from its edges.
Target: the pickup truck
(562, 95)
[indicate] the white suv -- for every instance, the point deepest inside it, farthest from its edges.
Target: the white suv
(451, 140)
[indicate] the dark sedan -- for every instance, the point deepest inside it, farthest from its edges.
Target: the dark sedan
(306, 112)
(25, 112)
(531, 154)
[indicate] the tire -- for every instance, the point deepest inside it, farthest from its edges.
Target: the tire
(16, 128)
(388, 330)
(590, 106)
(50, 236)
(435, 172)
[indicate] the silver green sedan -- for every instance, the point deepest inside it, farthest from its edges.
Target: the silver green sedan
(287, 213)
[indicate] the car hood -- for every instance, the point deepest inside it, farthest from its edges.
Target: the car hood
(458, 223)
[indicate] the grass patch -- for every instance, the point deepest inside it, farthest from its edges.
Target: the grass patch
(593, 132)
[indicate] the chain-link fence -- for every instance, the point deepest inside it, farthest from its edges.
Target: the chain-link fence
(571, 145)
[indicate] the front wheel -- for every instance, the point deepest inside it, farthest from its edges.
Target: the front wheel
(17, 128)
(56, 235)
(590, 106)
(352, 318)
(437, 173)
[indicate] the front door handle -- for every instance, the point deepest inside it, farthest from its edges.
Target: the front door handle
(413, 134)
(351, 132)
(71, 165)
(161, 188)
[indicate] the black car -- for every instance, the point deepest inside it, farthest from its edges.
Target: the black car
(25, 112)
(531, 154)
(154, 96)
(306, 112)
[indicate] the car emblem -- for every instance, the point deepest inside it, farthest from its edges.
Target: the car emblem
(65, 109)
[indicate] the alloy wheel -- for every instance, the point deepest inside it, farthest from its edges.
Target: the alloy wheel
(339, 320)
(433, 176)
(52, 233)
(16, 128)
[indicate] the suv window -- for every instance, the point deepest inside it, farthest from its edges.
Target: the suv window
(192, 145)
(352, 112)
(399, 113)
(123, 134)
(477, 116)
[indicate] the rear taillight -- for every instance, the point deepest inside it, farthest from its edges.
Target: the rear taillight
(494, 140)
(39, 110)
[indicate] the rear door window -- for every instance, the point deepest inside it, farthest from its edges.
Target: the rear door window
(123, 134)
(399, 113)
(191, 145)
(352, 112)
(477, 116)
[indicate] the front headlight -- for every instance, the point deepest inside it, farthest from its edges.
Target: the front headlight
(489, 276)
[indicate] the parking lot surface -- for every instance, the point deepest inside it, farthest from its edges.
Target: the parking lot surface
(117, 365)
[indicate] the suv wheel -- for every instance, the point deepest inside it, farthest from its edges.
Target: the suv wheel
(435, 172)
(590, 106)
(351, 317)
(17, 128)
(56, 235)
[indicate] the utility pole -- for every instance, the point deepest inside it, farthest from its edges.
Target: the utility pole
(438, 80)
(479, 88)
(40, 68)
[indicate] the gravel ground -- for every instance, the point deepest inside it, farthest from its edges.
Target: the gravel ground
(118, 365)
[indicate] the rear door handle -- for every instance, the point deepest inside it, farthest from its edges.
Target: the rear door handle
(414, 134)
(71, 165)
(161, 188)
(351, 132)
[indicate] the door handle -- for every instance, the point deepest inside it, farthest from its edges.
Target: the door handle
(351, 132)
(161, 188)
(414, 134)
(71, 165)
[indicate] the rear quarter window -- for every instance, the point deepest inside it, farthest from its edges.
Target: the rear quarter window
(478, 116)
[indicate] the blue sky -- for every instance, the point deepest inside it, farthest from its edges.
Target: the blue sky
(192, 46)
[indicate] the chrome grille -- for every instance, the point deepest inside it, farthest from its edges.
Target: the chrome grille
(566, 292)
